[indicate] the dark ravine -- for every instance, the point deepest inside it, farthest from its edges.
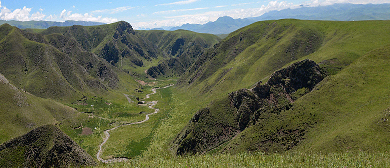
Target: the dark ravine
(226, 118)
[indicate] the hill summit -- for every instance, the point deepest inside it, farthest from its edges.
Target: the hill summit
(45, 146)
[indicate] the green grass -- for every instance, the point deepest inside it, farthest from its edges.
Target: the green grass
(133, 140)
(289, 159)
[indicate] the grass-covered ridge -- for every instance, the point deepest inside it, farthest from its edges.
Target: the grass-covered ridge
(252, 53)
(182, 48)
(226, 118)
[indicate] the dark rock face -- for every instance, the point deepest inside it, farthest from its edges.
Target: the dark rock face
(46, 146)
(110, 53)
(177, 46)
(304, 74)
(204, 132)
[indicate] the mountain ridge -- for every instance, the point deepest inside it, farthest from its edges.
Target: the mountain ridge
(46, 24)
(335, 12)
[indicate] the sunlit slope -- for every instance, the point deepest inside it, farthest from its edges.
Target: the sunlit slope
(346, 112)
(117, 43)
(53, 66)
(20, 111)
(252, 53)
(182, 47)
(317, 121)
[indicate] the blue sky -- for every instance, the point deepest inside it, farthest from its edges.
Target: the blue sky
(151, 13)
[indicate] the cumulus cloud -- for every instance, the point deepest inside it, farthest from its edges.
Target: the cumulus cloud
(25, 14)
(19, 14)
(179, 3)
(37, 16)
(68, 15)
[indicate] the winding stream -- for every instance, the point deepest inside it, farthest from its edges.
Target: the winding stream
(107, 134)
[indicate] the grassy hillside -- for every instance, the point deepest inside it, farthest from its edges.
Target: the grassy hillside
(346, 112)
(225, 118)
(53, 66)
(252, 53)
(117, 43)
(46, 146)
(21, 111)
(43, 69)
(181, 47)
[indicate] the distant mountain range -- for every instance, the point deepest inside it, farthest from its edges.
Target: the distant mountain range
(47, 24)
(337, 12)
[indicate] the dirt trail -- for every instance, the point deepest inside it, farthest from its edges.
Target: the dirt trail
(107, 134)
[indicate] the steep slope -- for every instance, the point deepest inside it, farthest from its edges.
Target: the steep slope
(181, 47)
(256, 50)
(252, 53)
(52, 66)
(46, 146)
(117, 43)
(21, 112)
(227, 117)
(347, 112)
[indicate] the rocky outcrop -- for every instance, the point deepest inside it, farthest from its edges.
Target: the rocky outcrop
(223, 119)
(46, 146)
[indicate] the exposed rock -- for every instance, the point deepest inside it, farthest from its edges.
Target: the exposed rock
(46, 146)
(211, 127)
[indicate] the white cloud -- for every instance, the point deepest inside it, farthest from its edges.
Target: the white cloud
(62, 13)
(68, 15)
(179, 2)
(179, 10)
(203, 18)
(20, 14)
(17, 14)
(37, 16)
(24, 15)
(51, 18)
(113, 11)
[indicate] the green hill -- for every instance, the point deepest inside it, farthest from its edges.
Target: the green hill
(223, 119)
(52, 66)
(21, 111)
(46, 146)
(181, 47)
(117, 43)
(338, 115)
